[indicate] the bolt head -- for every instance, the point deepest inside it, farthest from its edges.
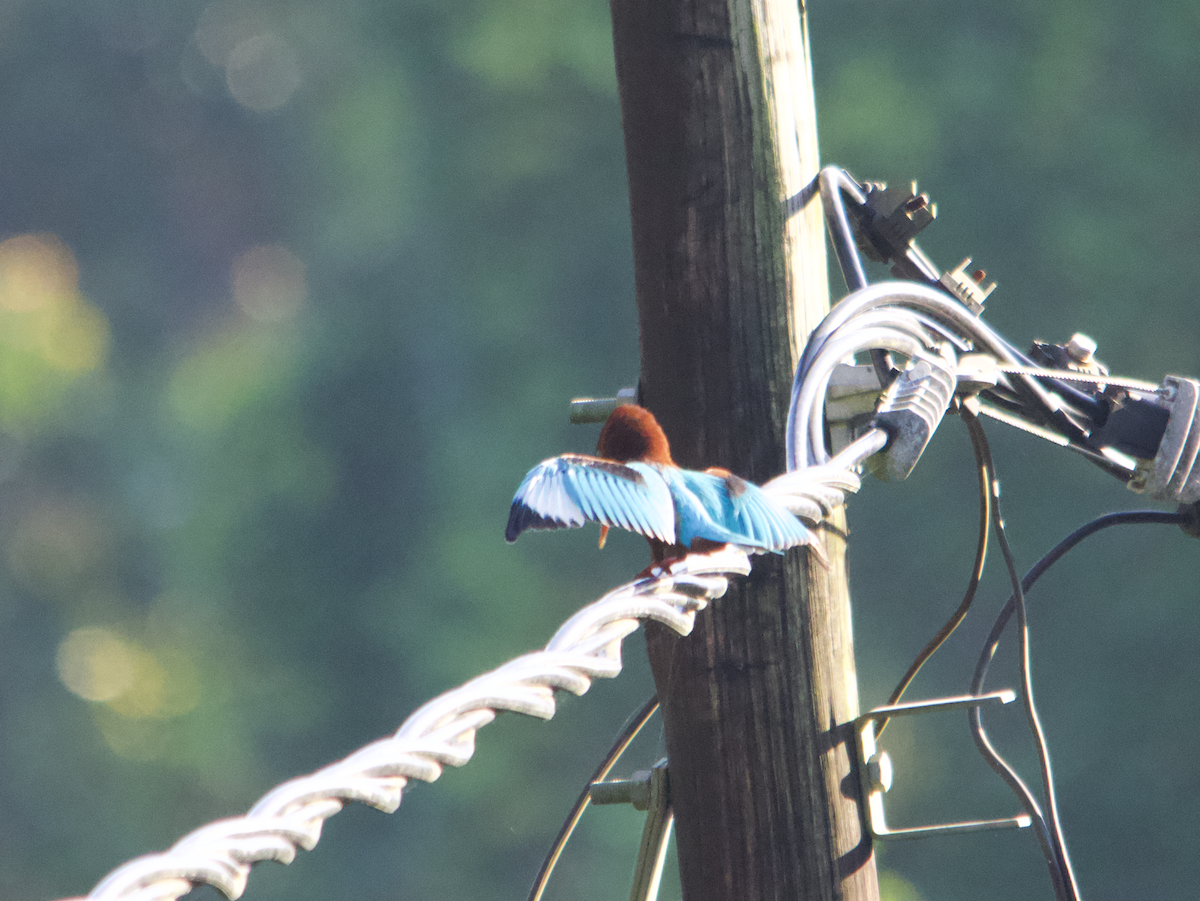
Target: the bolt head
(879, 771)
(1081, 348)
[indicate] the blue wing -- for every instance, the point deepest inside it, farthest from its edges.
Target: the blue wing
(570, 490)
(725, 508)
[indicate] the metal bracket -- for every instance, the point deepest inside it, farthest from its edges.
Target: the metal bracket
(597, 409)
(850, 403)
(648, 790)
(972, 289)
(891, 218)
(875, 768)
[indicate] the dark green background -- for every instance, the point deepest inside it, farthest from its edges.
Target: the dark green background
(286, 513)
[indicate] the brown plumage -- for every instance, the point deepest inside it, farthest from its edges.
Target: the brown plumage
(632, 433)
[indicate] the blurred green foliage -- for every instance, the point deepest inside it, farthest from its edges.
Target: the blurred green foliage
(291, 296)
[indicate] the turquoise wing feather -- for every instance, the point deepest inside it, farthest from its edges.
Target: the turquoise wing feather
(725, 508)
(567, 491)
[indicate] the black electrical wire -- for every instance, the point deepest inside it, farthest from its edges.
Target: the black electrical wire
(1108, 520)
(624, 740)
(1053, 821)
(1016, 604)
(985, 514)
(1048, 828)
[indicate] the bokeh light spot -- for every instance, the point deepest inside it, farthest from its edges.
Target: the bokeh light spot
(144, 697)
(134, 682)
(269, 283)
(140, 740)
(221, 27)
(893, 887)
(49, 333)
(262, 72)
(57, 548)
(75, 338)
(95, 664)
(36, 271)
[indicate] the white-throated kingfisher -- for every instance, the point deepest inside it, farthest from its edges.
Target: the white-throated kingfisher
(632, 483)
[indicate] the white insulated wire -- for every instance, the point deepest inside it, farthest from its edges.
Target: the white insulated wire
(439, 734)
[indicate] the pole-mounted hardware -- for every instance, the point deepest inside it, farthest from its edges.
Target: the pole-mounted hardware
(598, 409)
(648, 790)
(889, 219)
(875, 767)
(1146, 434)
(910, 409)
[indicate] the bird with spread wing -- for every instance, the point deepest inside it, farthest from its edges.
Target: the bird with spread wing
(632, 483)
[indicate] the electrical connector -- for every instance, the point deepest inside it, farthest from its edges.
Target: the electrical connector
(971, 288)
(910, 410)
(1174, 474)
(892, 217)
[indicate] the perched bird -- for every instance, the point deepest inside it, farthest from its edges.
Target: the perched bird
(632, 483)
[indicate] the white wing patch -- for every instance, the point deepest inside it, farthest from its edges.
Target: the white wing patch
(568, 491)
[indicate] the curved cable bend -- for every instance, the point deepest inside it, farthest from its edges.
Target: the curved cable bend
(806, 420)
(439, 734)
(915, 310)
(896, 293)
(905, 312)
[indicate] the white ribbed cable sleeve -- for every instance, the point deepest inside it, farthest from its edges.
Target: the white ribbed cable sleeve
(813, 492)
(439, 734)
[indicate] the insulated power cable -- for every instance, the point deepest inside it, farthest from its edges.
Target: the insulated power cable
(441, 733)
(806, 420)
(1048, 826)
(985, 513)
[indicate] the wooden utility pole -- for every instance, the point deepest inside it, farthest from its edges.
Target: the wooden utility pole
(720, 138)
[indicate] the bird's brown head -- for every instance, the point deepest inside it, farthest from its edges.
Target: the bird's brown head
(632, 433)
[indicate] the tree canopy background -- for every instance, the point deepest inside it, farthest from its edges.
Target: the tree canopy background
(293, 293)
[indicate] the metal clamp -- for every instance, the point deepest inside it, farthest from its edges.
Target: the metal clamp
(875, 768)
(647, 790)
(1174, 473)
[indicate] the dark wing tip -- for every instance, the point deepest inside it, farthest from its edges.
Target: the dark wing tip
(522, 517)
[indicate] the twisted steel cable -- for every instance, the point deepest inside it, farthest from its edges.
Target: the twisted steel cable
(439, 734)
